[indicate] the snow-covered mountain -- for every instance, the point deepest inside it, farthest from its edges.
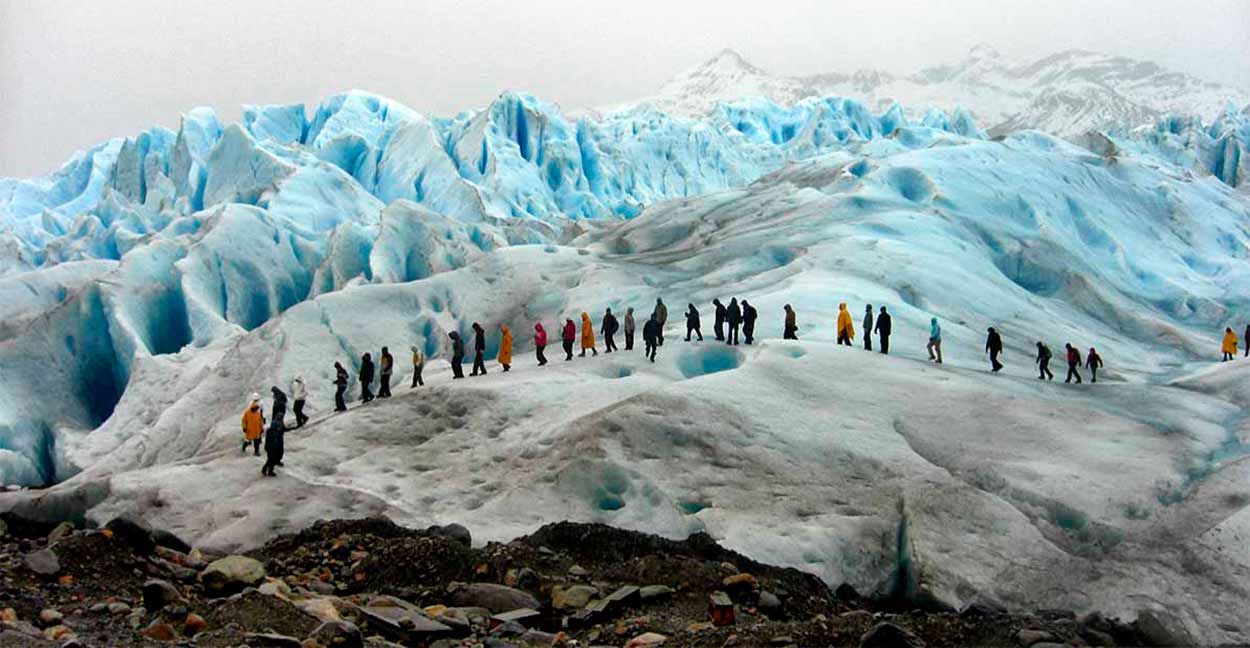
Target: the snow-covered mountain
(154, 282)
(1065, 94)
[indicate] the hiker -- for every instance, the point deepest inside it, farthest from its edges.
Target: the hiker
(846, 328)
(692, 322)
(387, 363)
(651, 336)
(749, 315)
(418, 365)
(570, 334)
(868, 328)
(253, 424)
(1246, 339)
(366, 378)
(479, 350)
(1074, 363)
(540, 343)
(719, 326)
(994, 346)
(792, 326)
(588, 335)
(629, 329)
(733, 317)
(935, 340)
(608, 329)
(661, 316)
(1043, 362)
(883, 330)
(298, 394)
(505, 348)
(273, 436)
(340, 387)
(1092, 362)
(457, 355)
(1230, 344)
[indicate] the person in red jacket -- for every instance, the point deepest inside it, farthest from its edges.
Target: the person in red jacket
(540, 343)
(1092, 362)
(1074, 364)
(568, 338)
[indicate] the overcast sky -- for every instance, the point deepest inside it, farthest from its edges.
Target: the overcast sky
(73, 73)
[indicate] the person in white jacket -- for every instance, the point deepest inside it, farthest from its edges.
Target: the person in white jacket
(298, 393)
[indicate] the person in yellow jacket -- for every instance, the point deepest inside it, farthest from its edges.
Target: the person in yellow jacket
(1230, 344)
(588, 336)
(253, 425)
(846, 328)
(505, 347)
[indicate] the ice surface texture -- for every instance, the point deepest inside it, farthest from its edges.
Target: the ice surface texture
(153, 283)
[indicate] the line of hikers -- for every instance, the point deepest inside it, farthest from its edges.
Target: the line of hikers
(732, 323)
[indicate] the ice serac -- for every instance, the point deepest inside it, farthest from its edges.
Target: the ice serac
(153, 283)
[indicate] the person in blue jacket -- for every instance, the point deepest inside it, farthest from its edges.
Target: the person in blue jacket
(935, 341)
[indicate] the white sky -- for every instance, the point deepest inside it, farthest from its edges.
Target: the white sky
(73, 73)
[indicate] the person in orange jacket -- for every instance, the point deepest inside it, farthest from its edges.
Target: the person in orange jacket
(588, 335)
(505, 348)
(1230, 344)
(846, 328)
(253, 425)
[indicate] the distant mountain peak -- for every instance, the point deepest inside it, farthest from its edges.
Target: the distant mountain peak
(982, 51)
(1065, 93)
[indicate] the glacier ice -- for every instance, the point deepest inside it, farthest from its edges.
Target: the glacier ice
(153, 282)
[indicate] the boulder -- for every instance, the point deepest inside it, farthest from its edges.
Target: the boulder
(168, 540)
(272, 640)
(404, 625)
(496, 598)
(50, 617)
(160, 631)
(194, 624)
(453, 532)
(646, 639)
(43, 562)
(338, 634)
(1159, 628)
(133, 534)
(655, 592)
(888, 635)
(1028, 636)
(158, 593)
(231, 574)
(62, 530)
(571, 597)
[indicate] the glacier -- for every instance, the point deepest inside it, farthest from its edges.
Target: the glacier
(154, 282)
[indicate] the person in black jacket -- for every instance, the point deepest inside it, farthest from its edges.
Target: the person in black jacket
(479, 350)
(1043, 362)
(719, 326)
(651, 336)
(733, 317)
(749, 314)
(608, 329)
(692, 322)
(1247, 340)
(457, 355)
(273, 436)
(366, 378)
(340, 387)
(883, 330)
(994, 346)
(868, 328)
